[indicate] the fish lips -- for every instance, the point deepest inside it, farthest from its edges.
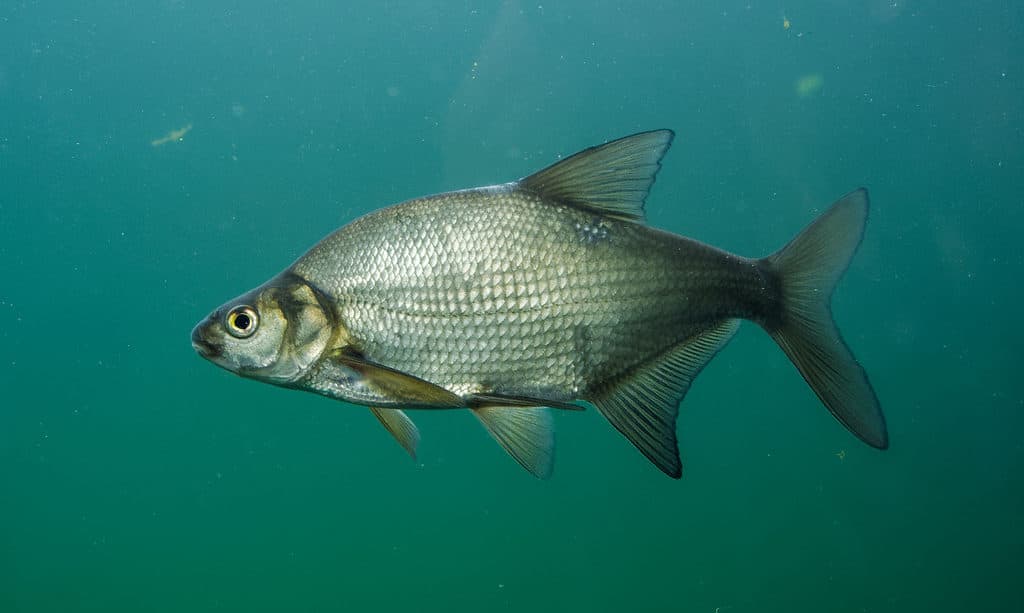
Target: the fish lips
(201, 344)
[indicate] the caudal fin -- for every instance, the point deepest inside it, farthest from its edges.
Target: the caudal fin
(809, 268)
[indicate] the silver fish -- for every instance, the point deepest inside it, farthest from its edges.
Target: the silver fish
(512, 299)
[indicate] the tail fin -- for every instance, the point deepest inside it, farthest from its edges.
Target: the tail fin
(809, 268)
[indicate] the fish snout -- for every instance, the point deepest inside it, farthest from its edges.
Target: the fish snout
(201, 343)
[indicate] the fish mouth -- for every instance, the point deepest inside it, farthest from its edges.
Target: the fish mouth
(202, 346)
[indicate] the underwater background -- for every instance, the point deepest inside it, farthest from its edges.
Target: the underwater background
(158, 158)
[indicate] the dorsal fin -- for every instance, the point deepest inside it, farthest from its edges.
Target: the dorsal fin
(611, 179)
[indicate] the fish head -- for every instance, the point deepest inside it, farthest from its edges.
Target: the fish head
(273, 333)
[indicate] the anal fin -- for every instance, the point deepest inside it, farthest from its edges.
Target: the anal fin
(400, 426)
(527, 434)
(643, 404)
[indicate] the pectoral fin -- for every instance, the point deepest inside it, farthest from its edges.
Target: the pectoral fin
(400, 426)
(377, 385)
(527, 434)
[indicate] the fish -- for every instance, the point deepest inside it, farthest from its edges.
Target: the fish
(172, 136)
(546, 293)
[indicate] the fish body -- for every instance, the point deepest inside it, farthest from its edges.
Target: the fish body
(541, 293)
(497, 291)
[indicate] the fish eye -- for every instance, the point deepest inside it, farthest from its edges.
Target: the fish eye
(242, 321)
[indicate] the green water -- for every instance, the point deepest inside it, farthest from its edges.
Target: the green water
(135, 476)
